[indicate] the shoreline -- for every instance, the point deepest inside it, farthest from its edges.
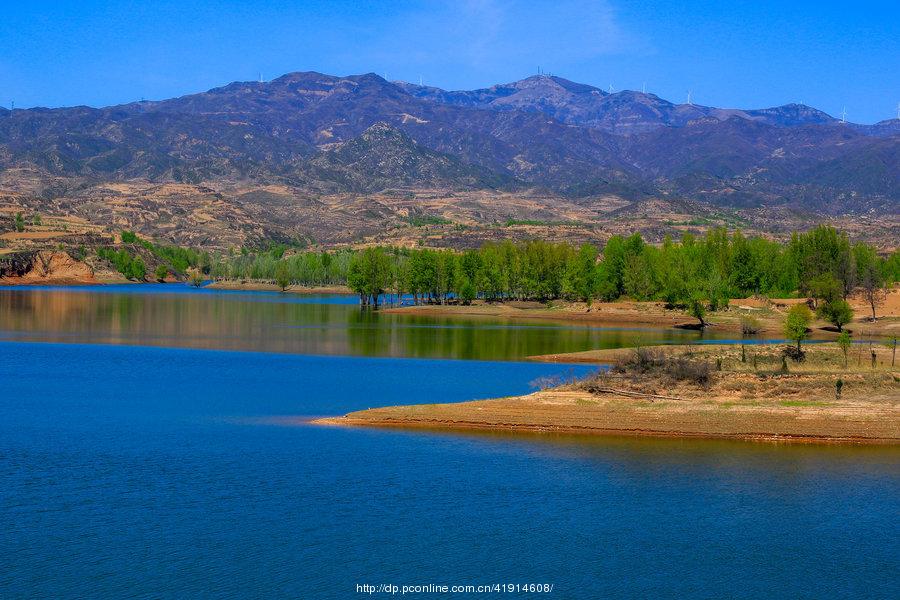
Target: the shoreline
(27, 282)
(769, 315)
(460, 426)
(256, 286)
(760, 406)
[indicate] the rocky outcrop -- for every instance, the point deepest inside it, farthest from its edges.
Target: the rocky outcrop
(43, 266)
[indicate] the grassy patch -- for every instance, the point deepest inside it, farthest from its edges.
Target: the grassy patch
(423, 220)
(802, 403)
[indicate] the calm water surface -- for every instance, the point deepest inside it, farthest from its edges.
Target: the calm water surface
(133, 468)
(182, 316)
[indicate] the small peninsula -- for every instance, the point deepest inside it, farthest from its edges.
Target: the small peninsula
(750, 392)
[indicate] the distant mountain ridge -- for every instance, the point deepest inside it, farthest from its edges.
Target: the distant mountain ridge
(623, 112)
(360, 134)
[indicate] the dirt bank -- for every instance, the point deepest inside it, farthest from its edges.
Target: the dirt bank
(742, 401)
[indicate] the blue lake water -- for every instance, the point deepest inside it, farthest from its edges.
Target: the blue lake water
(148, 472)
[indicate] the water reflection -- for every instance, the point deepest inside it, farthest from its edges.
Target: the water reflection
(333, 325)
(640, 454)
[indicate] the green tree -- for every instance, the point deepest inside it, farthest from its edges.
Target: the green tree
(161, 273)
(836, 312)
(824, 288)
(796, 325)
(467, 292)
(370, 274)
(137, 269)
(870, 275)
(637, 280)
(580, 280)
(844, 341)
(744, 268)
(36, 219)
(614, 265)
(697, 308)
(892, 267)
(717, 291)
(20, 222)
(821, 251)
(282, 275)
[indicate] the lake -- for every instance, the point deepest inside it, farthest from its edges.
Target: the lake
(182, 316)
(154, 445)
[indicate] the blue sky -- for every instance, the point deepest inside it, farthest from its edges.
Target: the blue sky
(732, 54)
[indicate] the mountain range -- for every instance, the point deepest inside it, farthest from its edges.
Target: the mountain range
(322, 134)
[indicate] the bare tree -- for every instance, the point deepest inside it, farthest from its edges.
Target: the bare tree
(875, 296)
(870, 277)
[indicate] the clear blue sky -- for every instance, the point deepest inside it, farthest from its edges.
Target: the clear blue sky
(746, 54)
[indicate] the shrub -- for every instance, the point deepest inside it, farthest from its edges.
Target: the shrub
(137, 269)
(645, 361)
(794, 353)
(161, 272)
(749, 326)
(682, 368)
(844, 342)
(546, 382)
(836, 312)
(130, 267)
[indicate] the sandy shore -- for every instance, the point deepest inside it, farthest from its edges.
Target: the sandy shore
(740, 403)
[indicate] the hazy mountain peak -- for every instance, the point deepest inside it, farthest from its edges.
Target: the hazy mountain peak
(792, 114)
(362, 133)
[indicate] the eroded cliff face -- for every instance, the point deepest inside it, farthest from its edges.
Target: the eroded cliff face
(43, 266)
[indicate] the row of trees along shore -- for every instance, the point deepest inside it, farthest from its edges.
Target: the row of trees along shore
(696, 272)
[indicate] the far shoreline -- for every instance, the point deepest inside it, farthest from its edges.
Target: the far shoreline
(257, 286)
(768, 315)
(31, 282)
